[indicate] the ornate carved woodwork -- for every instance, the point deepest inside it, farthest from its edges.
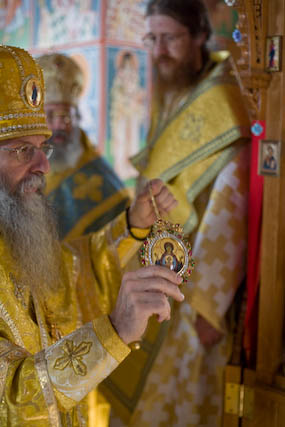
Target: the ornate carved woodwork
(254, 80)
(265, 93)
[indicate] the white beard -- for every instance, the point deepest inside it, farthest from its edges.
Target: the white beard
(28, 227)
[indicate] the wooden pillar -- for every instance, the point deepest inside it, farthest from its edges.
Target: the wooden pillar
(265, 93)
(272, 289)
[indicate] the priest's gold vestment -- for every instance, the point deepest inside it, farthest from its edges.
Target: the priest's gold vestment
(200, 150)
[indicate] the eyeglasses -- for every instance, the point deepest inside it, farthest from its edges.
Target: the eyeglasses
(170, 40)
(64, 116)
(27, 152)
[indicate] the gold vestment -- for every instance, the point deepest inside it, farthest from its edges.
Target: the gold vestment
(50, 360)
(201, 153)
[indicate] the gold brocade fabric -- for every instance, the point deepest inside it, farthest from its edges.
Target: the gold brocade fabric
(44, 378)
(173, 381)
(22, 95)
(196, 141)
(201, 152)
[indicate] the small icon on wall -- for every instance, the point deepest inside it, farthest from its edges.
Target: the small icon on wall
(269, 157)
(273, 53)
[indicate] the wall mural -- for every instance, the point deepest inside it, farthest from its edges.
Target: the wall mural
(15, 22)
(55, 19)
(125, 20)
(126, 106)
(88, 58)
(106, 43)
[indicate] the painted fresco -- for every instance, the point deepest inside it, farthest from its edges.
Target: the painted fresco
(15, 23)
(88, 58)
(113, 107)
(59, 22)
(126, 107)
(125, 20)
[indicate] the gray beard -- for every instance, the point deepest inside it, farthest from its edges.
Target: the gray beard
(67, 154)
(28, 227)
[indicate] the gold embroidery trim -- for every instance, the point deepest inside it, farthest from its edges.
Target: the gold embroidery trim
(4, 365)
(7, 319)
(109, 339)
(45, 340)
(75, 274)
(73, 357)
(41, 367)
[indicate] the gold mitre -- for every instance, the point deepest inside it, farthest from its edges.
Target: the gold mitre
(21, 95)
(63, 79)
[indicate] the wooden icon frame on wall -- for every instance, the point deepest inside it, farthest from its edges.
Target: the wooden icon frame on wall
(273, 54)
(269, 157)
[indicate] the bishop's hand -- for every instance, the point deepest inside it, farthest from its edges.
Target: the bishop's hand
(144, 293)
(142, 213)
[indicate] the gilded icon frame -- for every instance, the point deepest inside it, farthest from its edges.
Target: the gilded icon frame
(167, 242)
(269, 157)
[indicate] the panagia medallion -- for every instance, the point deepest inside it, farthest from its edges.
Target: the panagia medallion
(167, 246)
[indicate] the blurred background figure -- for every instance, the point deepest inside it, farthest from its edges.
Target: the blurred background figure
(83, 187)
(198, 144)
